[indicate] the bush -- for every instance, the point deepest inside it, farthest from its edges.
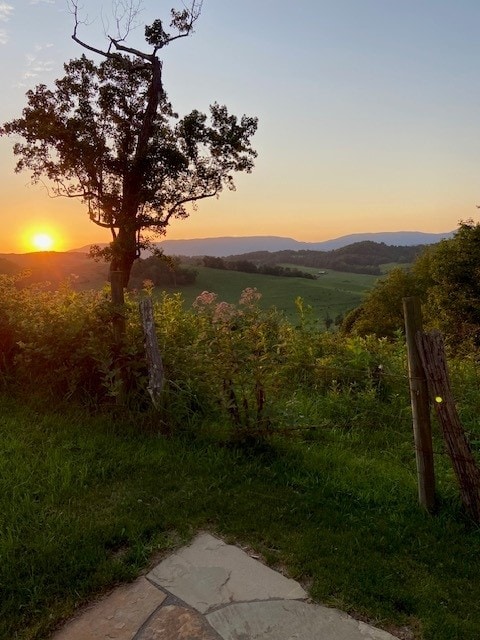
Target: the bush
(235, 365)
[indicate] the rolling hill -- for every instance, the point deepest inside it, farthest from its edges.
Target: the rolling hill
(55, 267)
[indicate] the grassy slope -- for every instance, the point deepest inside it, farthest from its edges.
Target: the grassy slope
(332, 294)
(85, 502)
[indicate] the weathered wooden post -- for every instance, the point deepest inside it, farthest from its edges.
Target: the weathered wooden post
(118, 302)
(422, 428)
(119, 331)
(154, 358)
(432, 353)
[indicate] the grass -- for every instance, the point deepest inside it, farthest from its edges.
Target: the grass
(332, 294)
(86, 501)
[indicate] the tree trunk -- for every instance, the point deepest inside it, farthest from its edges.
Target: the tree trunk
(125, 246)
(119, 334)
(124, 249)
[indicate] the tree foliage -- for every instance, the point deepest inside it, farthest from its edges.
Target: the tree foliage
(247, 266)
(446, 277)
(381, 313)
(161, 270)
(453, 297)
(108, 135)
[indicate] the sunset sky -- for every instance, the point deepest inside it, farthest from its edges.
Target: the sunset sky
(369, 113)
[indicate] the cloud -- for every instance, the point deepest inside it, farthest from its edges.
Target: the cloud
(6, 11)
(41, 47)
(36, 66)
(42, 1)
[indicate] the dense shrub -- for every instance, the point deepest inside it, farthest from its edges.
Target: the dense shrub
(237, 364)
(57, 341)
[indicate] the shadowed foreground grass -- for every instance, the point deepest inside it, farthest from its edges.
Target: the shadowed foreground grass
(87, 501)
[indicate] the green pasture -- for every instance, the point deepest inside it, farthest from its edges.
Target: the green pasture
(331, 294)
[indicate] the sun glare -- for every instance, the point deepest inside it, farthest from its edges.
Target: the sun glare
(42, 241)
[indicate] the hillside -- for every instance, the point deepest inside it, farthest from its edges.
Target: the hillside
(56, 267)
(360, 257)
(367, 258)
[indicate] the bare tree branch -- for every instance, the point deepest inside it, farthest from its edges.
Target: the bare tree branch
(126, 21)
(125, 13)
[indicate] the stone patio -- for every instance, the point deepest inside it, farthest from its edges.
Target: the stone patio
(213, 591)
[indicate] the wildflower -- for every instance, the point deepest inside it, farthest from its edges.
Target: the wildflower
(205, 299)
(250, 296)
(148, 286)
(224, 312)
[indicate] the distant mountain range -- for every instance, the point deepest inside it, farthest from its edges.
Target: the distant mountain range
(356, 253)
(227, 246)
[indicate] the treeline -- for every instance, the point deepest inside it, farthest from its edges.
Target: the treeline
(359, 257)
(247, 266)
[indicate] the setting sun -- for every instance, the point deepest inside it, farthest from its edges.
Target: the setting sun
(41, 236)
(42, 241)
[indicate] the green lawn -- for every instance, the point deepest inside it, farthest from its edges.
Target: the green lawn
(330, 295)
(86, 502)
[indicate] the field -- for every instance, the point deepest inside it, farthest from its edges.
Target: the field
(332, 294)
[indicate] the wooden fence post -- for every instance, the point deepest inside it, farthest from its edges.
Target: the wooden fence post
(432, 352)
(118, 301)
(422, 428)
(154, 358)
(119, 331)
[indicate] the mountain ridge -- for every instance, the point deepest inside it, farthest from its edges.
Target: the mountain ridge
(224, 246)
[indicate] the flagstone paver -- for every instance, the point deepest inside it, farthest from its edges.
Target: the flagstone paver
(116, 617)
(177, 623)
(209, 573)
(289, 620)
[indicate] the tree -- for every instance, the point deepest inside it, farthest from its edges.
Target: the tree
(214, 262)
(446, 276)
(381, 313)
(161, 271)
(108, 135)
(453, 300)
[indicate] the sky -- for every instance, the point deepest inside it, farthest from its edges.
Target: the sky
(369, 113)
